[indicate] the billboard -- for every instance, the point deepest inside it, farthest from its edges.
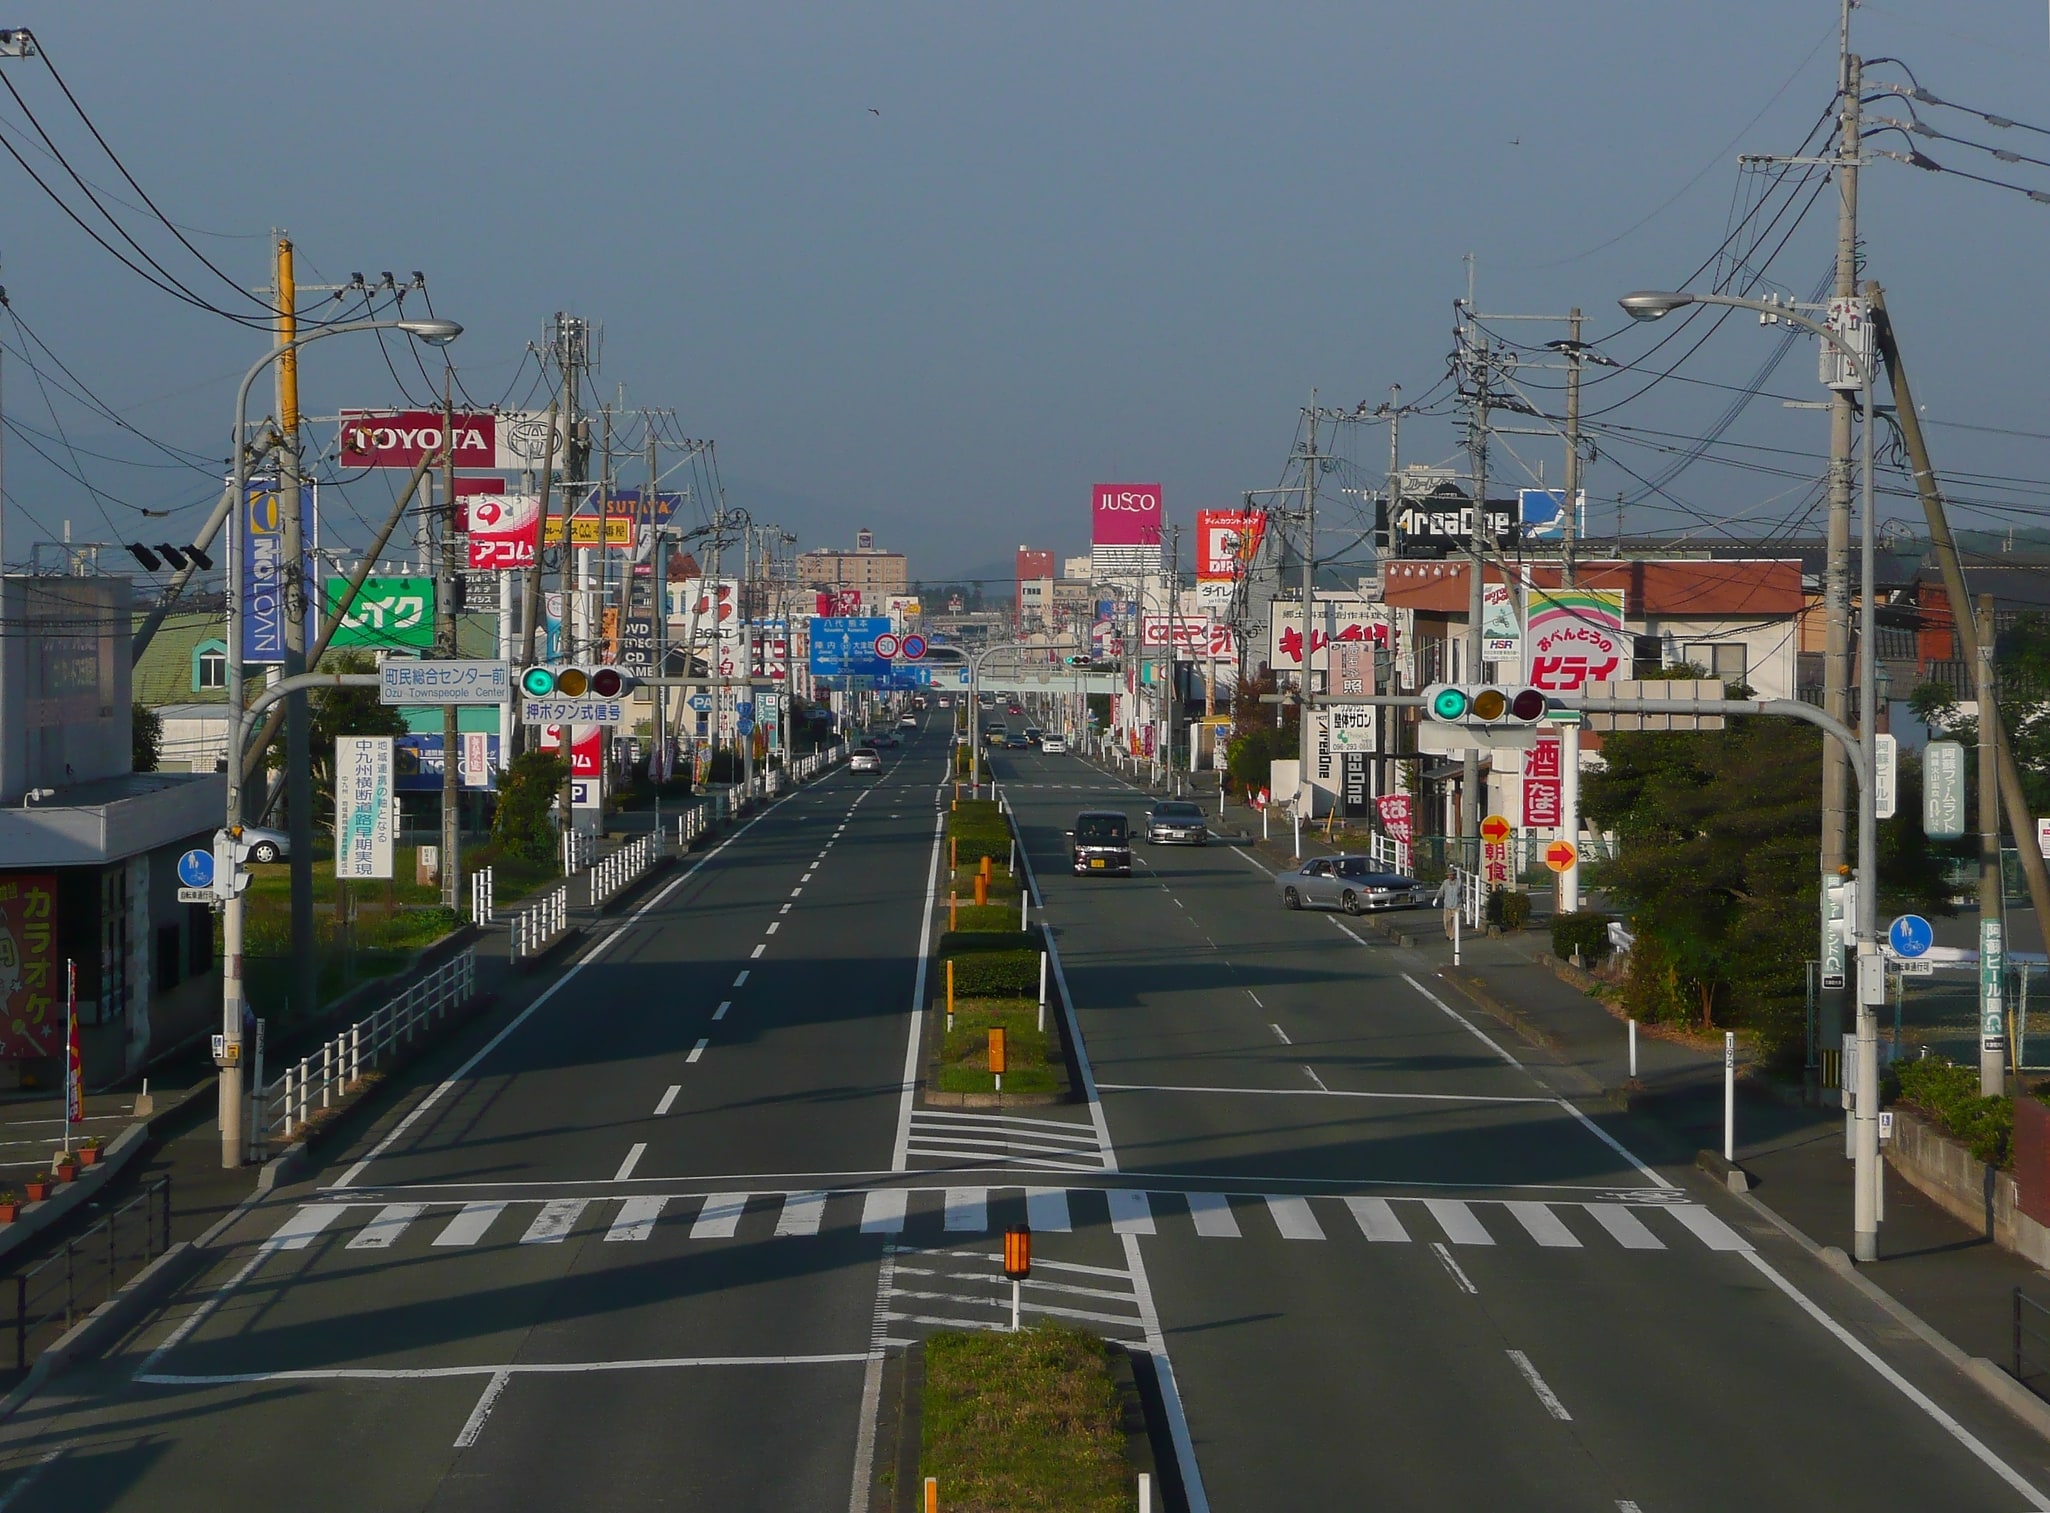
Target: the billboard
(586, 531)
(1381, 626)
(510, 443)
(1227, 541)
(468, 489)
(1441, 522)
(1125, 514)
(31, 1014)
(504, 531)
(365, 778)
(388, 612)
(1575, 637)
(1193, 637)
(263, 568)
(633, 504)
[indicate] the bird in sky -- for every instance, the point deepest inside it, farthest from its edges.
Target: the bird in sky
(873, 111)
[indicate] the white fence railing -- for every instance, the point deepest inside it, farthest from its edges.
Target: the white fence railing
(483, 898)
(319, 1080)
(621, 869)
(577, 849)
(537, 925)
(1471, 896)
(1389, 854)
(691, 824)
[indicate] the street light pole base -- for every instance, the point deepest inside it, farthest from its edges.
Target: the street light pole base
(1865, 1245)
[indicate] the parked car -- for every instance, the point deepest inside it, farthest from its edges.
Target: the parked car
(1101, 842)
(1351, 883)
(1177, 822)
(865, 759)
(1052, 744)
(267, 845)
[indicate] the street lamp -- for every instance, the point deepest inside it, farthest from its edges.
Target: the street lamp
(436, 333)
(1652, 304)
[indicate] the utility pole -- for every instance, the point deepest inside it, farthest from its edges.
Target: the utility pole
(530, 606)
(1569, 731)
(1836, 666)
(1992, 1034)
(658, 757)
(1477, 442)
(571, 353)
(298, 736)
(1306, 793)
(445, 646)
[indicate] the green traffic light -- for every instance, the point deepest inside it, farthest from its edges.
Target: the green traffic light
(1448, 704)
(537, 682)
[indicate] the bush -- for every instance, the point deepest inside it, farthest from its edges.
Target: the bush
(527, 791)
(1508, 908)
(976, 942)
(1949, 1095)
(995, 974)
(1586, 932)
(1652, 991)
(985, 919)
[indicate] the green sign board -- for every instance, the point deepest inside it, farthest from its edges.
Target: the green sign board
(1943, 790)
(390, 613)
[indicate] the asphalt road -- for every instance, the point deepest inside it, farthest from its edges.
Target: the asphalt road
(646, 1246)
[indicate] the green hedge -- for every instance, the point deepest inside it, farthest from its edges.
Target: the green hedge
(996, 974)
(1949, 1094)
(974, 942)
(1586, 932)
(1508, 908)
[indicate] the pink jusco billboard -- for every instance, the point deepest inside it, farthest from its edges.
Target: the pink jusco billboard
(1125, 514)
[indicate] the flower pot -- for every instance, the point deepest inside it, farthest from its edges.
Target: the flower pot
(9, 1212)
(38, 1190)
(65, 1173)
(89, 1156)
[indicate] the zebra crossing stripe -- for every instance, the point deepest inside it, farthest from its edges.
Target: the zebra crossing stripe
(802, 1214)
(1130, 1213)
(882, 1212)
(385, 1228)
(557, 1218)
(1458, 1222)
(1046, 1208)
(968, 1209)
(636, 1219)
(1377, 1221)
(300, 1231)
(469, 1224)
(1708, 1229)
(719, 1219)
(1212, 1215)
(1624, 1227)
(1294, 1217)
(1542, 1225)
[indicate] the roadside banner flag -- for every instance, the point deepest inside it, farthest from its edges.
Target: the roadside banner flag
(74, 1063)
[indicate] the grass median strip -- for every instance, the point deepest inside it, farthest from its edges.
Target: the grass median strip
(1030, 1422)
(964, 1054)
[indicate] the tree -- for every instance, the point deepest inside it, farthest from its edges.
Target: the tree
(527, 790)
(2021, 668)
(146, 739)
(335, 712)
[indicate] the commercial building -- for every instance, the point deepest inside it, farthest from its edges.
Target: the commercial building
(865, 568)
(1032, 604)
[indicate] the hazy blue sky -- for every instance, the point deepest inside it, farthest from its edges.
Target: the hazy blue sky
(1080, 241)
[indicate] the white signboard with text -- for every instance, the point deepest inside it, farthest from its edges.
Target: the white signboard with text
(363, 807)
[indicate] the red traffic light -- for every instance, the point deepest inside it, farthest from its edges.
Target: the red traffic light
(1527, 705)
(607, 682)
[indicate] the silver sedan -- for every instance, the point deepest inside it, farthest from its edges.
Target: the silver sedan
(1351, 883)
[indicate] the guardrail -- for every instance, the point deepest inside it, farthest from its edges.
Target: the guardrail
(1389, 854)
(77, 1279)
(621, 869)
(287, 1105)
(537, 925)
(483, 897)
(577, 848)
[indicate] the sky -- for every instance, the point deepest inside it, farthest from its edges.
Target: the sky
(935, 269)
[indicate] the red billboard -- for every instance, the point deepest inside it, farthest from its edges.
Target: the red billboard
(466, 490)
(1125, 514)
(31, 1012)
(504, 531)
(400, 438)
(1226, 542)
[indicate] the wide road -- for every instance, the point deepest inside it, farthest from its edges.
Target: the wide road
(1392, 1268)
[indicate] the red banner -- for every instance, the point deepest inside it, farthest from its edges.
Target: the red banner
(29, 1022)
(505, 530)
(400, 438)
(74, 1063)
(1542, 798)
(1395, 816)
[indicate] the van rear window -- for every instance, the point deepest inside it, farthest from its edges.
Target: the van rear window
(1098, 827)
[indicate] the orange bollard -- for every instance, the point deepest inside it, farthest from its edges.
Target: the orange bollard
(986, 867)
(932, 1494)
(953, 903)
(950, 992)
(954, 852)
(982, 887)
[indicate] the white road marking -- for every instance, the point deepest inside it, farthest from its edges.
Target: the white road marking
(741, 980)
(1377, 1221)
(786, 908)
(1458, 1221)
(389, 1223)
(1708, 1229)
(553, 1223)
(720, 1012)
(696, 1051)
(797, 892)
(1212, 1215)
(524, 1368)
(908, 1090)
(802, 1213)
(474, 1424)
(1046, 1208)
(882, 1211)
(1303, 1092)
(1293, 1217)
(1543, 1226)
(1463, 1022)
(1544, 1393)
(668, 1099)
(774, 926)
(1316, 1079)
(1130, 1213)
(469, 1224)
(1280, 1034)
(756, 953)
(636, 1219)
(1624, 1227)
(1194, 1498)
(299, 1231)
(1452, 1269)
(720, 1217)
(968, 1209)
(633, 1159)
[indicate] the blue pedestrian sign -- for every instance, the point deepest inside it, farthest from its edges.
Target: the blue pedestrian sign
(701, 702)
(196, 869)
(1910, 936)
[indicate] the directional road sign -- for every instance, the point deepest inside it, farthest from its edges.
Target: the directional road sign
(407, 681)
(196, 870)
(701, 702)
(1495, 830)
(1561, 855)
(1910, 936)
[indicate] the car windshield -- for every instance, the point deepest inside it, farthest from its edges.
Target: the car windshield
(1100, 827)
(1177, 812)
(1353, 866)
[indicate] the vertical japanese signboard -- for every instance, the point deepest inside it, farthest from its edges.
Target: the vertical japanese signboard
(1837, 904)
(1943, 790)
(1541, 785)
(30, 1024)
(1501, 624)
(1992, 969)
(263, 567)
(363, 807)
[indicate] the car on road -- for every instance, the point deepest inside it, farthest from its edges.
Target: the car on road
(1052, 744)
(1016, 740)
(883, 739)
(994, 736)
(1014, 709)
(1034, 735)
(1352, 883)
(1101, 841)
(267, 845)
(907, 722)
(1174, 822)
(865, 759)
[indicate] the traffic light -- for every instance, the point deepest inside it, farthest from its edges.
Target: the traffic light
(1463, 717)
(231, 853)
(576, 681)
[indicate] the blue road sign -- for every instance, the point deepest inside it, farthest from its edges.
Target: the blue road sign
(196, 869)
(701, 702)
(844, 645)
(1910, 936)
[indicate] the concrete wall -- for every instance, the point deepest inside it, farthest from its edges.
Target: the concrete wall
(1970, 1191)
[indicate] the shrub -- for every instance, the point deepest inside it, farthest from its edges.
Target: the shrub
(976, 942)
(1949, 1094)
(1652, 991)
(1508, 908)
(990, 919)
(995, 974)
(1586, 932)
(527, 791)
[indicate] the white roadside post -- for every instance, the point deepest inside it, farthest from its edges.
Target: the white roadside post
(1729, 1093)
(1042, 992)
(1633, 1050)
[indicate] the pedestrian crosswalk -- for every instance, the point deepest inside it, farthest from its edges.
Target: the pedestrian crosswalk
(933, 1214)
(928, 1289)
(979, 1139)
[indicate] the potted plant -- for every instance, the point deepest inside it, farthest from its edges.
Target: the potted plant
(10, 1205)
(38, 1187)
(64, 1166)
(89, 1151)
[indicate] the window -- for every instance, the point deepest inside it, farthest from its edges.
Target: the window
(209, 666)
(1647, 656)
(1727, 660)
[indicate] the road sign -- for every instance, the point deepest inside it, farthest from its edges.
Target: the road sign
(701, 702)
(1910, 936)
(888, 645)
(1886, 779)
(572, 712)
(1561, 855)
(913, 647)
(196, 871)
(1495, 829)
(409, 681)
(198, 896)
